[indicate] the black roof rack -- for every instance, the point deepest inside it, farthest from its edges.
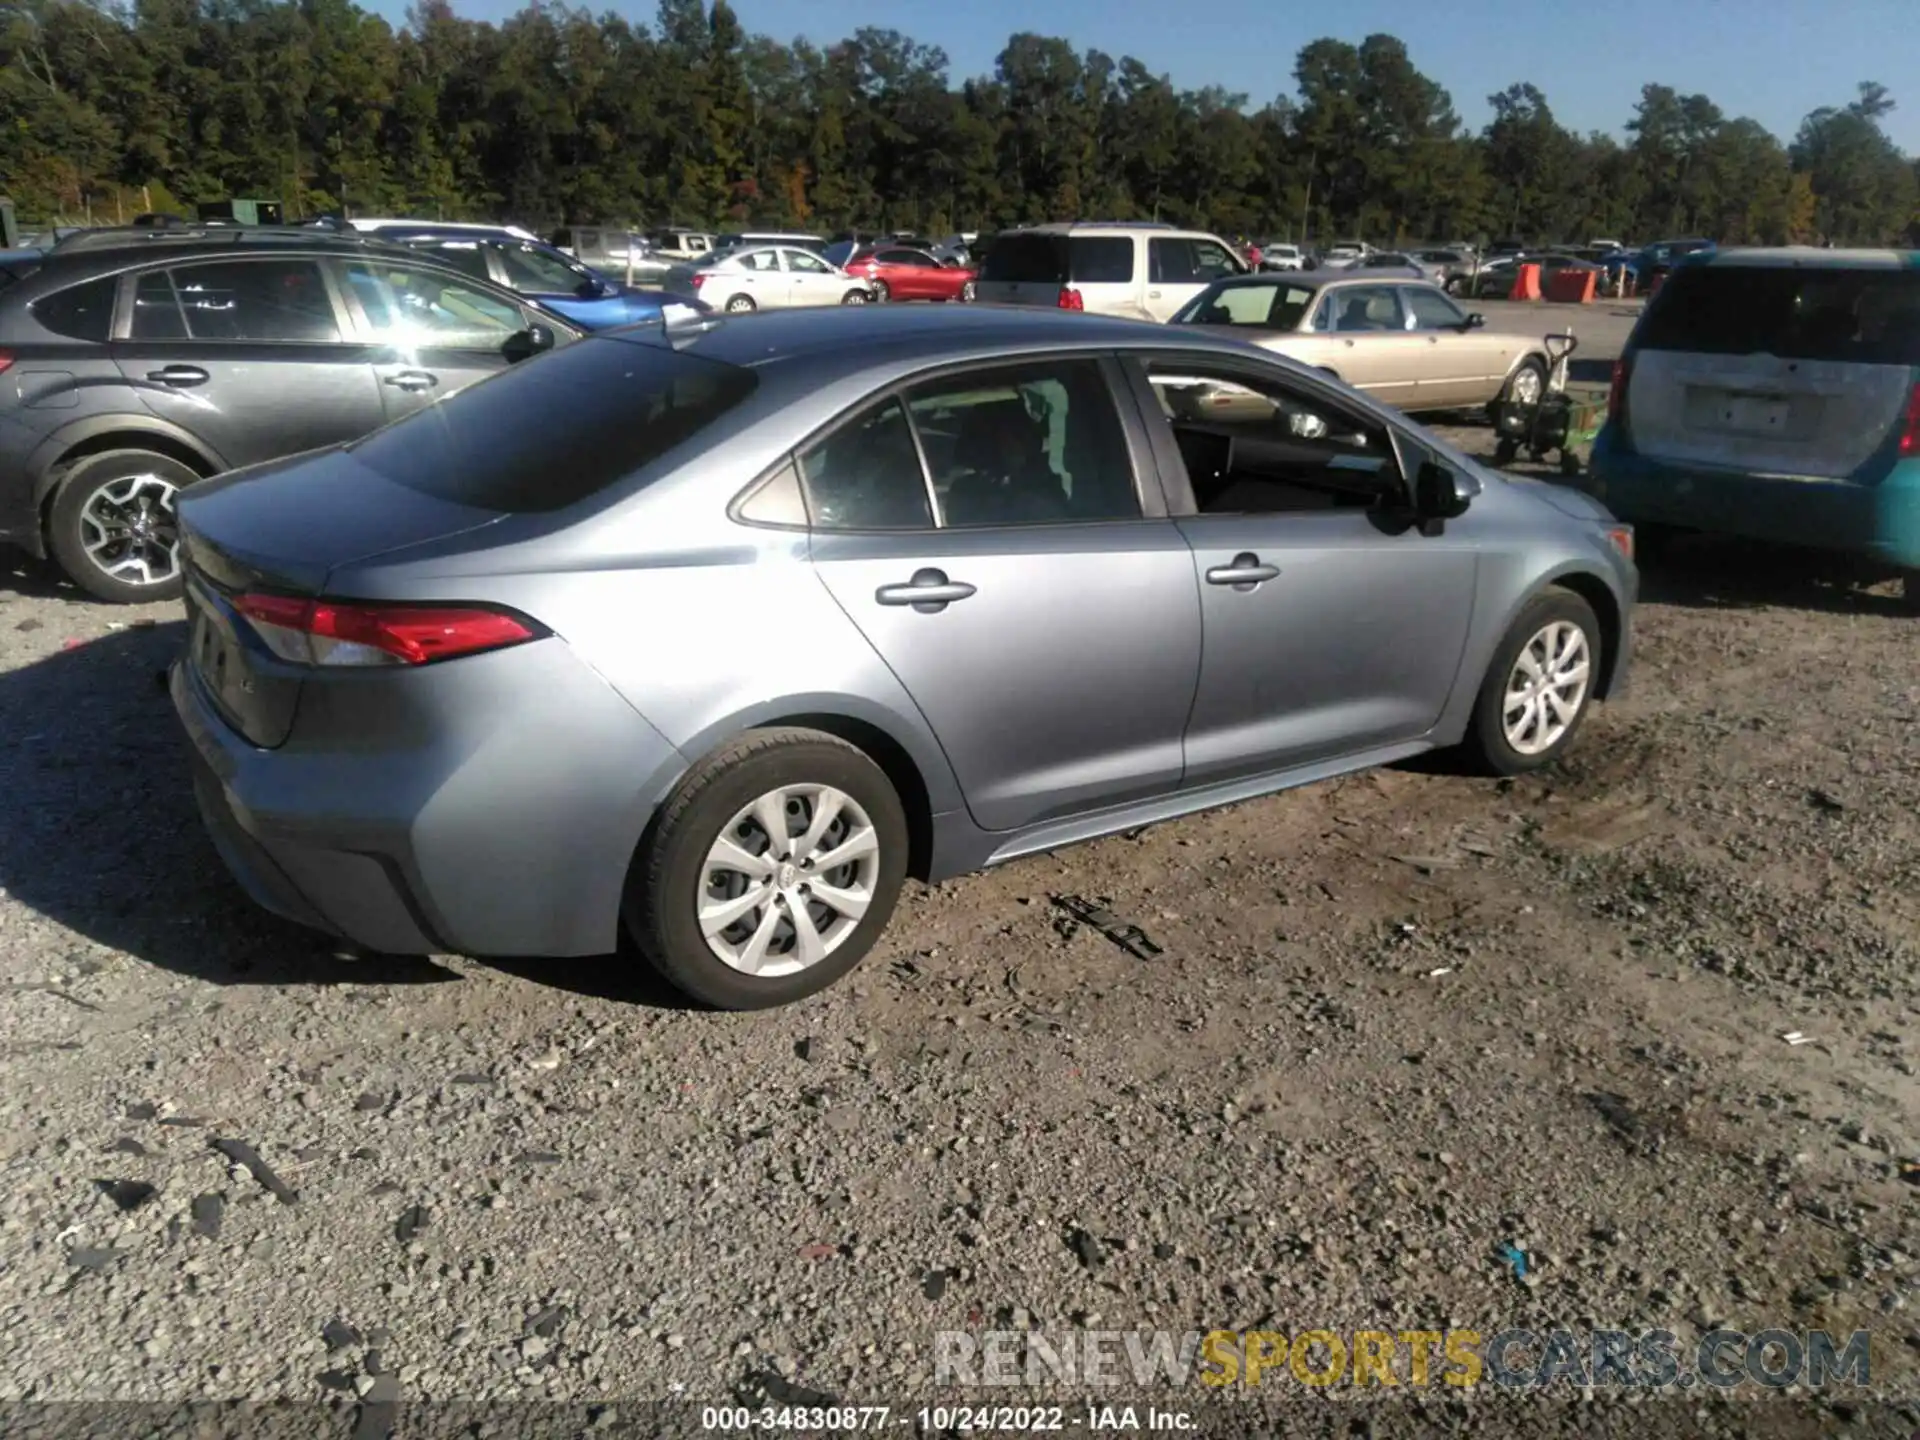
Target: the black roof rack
(160, 237)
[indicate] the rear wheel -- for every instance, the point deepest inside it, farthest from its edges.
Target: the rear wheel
(881, 294)
(1527, 383)
(1538, 688)
(772, 870)
(740, 305)
(967, 293)
(113, 525)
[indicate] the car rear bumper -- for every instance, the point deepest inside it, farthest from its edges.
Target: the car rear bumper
(1881, 521)
(509, 832)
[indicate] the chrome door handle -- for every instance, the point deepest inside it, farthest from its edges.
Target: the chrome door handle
(178, 376)
(928, 592)
(1246, 571)
(413, 381)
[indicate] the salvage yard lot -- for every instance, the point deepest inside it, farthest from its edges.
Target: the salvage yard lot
(1397, 1022)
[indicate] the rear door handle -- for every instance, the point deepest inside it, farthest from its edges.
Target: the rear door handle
(928, 592)
(1246, 571)
(179, 377)
(1153, 294)
(413, 381)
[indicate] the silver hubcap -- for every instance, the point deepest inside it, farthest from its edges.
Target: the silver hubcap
(129, 530)
(856, 297)
(967, 291)
(1526, 386)
(738, 304)
(788, 880)
(1547, 688)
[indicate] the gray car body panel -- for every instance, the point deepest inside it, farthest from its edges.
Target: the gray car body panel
(677, 626)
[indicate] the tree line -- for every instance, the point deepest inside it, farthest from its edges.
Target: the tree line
(560, 116)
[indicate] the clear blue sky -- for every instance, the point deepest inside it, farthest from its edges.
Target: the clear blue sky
(1773, 60)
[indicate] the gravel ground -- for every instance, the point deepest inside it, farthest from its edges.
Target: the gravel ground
(1399, 1022)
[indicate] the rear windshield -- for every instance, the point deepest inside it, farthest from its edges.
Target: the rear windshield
(624, 405)
(1865, 317)
(1278, 305)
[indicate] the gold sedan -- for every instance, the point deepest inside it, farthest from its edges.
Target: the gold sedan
(1401, 341)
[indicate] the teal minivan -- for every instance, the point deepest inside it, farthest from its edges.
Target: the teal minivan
(1775, 395)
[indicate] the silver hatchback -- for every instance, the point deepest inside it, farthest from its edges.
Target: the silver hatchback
(717, 635)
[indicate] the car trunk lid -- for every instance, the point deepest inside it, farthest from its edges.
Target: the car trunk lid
(1792, 370)
(283, 528)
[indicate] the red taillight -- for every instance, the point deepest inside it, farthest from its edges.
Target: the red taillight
(1910, 432)
(339, 632)
(1070, 299)
(1617, 392)
(697, 279)
(5, 360)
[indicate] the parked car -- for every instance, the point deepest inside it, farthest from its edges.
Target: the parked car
(1403, 342)
(140, 369)
(1135, 271)
(1606, 245)
(898, 273)
(610, 252)
(18, 263)
(1770, 394)
(430, 708)
(1495, 279)
(1442, 266)
(556, 281)
(1656, 261)
(1281, 255)
(766, 277)
(1346, 252)
(1396, 262)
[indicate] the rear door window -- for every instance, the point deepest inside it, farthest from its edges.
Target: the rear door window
(1101, 259)
(1171, 261)
(1863, 317)
(867, 475)
(476, 447)
(245, 300)
(80, 312)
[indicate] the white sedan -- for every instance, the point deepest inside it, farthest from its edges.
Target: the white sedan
(767, 277)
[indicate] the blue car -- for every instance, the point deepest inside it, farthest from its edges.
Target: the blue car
(543, 274)
(1774, 395)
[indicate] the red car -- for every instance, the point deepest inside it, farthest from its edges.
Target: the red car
(898, 273)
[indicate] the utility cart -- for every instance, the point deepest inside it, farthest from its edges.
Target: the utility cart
(1561, 419)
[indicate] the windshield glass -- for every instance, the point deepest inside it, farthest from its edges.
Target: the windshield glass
(1264, 305)
(535, 270)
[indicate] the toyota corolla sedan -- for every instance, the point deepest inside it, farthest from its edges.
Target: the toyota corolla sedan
(1395, 336)
(798, 605)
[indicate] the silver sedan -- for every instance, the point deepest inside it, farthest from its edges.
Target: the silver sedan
(717, 636)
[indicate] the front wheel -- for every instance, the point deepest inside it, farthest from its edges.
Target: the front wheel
(967, 293)
(1538, 688)
(113, 526)
(773, 869)
(854, 297)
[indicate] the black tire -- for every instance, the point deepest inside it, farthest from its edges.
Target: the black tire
(740, 305)
(664, 894)
(855, 297)
(151, 529)
(1504, 450)
(1486, 744)
(881, 294)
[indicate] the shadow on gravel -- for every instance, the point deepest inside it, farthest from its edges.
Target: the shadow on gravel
(1711, 572)
(101, 834)
(21, 574)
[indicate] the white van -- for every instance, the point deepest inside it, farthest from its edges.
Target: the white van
(1135, 270)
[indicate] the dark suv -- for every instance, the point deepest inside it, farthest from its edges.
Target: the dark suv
(137, 362)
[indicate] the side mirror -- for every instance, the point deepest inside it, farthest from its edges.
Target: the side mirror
(1442, 493)
(527, 343)
(1476, 321)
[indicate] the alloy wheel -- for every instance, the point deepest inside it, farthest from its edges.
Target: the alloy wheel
(1526, 386)
(1546, 688)
(788, 880)
(967, 292)
(130, 531)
